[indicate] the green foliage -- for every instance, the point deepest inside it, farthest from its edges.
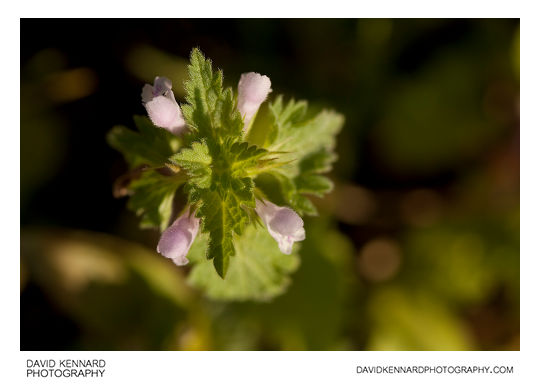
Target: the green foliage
(211, 111)
(196, 162)
(219, 169)
(258, 271)
(152, 193)
(309, 180)
(109, 282)
(218, 161)
(295, 131)
(150, 145)
(308, 143)
(152, 198)
(450, 126)
(244, 156)
(221, 216)
(413, 321)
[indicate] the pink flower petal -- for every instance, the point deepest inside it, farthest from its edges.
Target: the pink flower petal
(176, 240)
(283, 224)
(162, 107)
(165, 113)
(253, 89)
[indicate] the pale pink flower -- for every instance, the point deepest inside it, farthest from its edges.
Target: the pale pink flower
(283, 224)
(176, 240)
(253, 89)
(162, 107)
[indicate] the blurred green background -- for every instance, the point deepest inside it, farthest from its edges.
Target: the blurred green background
(417, 248)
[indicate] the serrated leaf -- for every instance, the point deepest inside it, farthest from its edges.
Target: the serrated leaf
(196, 162)
(299, 135)
(285, 117)
(308, 143)
(310, 180)
(149, 145)
(152, 198)
(245, 158)
(211, 111)
(218, 163)
(230, 120)
(243, 190)
(241, 151)
(290, 193)
(222, 215)
(296, 132)
(258, 271)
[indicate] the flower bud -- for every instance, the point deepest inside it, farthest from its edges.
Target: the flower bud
(253, 89)
(162, 107)
(283, 224)
(176, 240)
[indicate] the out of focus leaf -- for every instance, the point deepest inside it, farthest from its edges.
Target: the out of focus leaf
(147, 62)
(313, 312)
(149, 146)
(436, 120)
(152, 198)
(122, 295)
(465, 261)
(257, 271)
(404, 320)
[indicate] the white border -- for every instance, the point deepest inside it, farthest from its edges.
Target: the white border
(271, 8)
(281, 367)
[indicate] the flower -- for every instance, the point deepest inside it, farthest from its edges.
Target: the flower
(162, 107)
(282, 223)
(253, 89)
(176, 240)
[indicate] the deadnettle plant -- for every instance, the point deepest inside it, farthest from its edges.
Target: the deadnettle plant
(241, 188)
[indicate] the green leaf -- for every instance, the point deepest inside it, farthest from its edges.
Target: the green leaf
(295, 132)
(397, 313)
(292, 196)
(150, 145)
(314, 184)
(308, 144)
(258, 271)
(196, 162)
(285, 117)
(222, 215)
(109, 282)
(320, 294)
(152, 198)
(319, 161)
(220, 194)
(246, 159)
(218, 162)
(211, 111)
(309, 181)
